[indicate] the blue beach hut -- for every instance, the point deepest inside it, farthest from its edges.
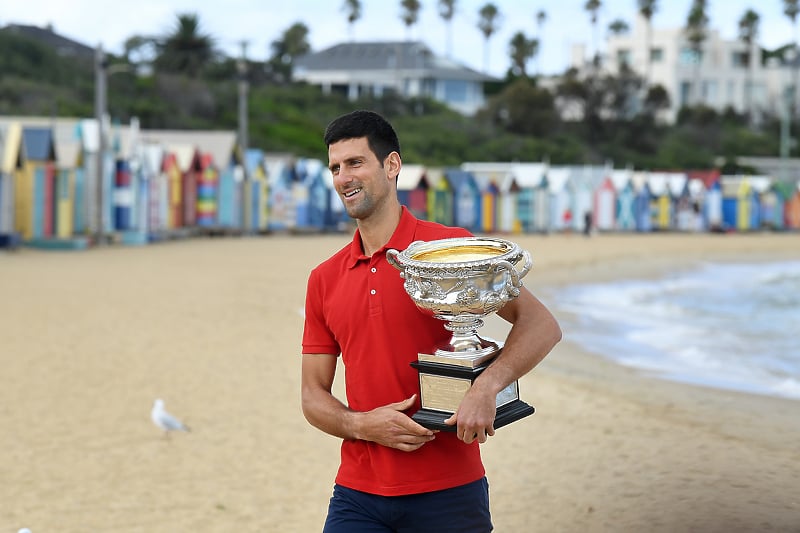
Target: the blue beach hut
(466, 198)
(641, 202)
(625, 219)
(560, 212)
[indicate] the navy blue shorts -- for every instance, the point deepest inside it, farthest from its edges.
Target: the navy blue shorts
(463, 509)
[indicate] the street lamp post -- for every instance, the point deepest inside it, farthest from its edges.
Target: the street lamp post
(100, 95)
(243, 127)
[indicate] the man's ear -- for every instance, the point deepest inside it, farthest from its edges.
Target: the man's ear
(392, 165)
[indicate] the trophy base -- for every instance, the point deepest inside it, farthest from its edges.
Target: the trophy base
(510, 412)
(443, 386)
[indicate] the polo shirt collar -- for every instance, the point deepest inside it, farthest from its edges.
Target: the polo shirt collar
(400, 239)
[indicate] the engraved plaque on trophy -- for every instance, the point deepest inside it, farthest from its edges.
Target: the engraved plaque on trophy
(461, 280)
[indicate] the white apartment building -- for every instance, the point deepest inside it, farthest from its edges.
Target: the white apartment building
(717, 77)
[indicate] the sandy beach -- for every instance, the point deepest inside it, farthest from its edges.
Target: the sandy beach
(88, 340)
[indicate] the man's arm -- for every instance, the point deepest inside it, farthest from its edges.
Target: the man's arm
(534, 332)
(387, 425)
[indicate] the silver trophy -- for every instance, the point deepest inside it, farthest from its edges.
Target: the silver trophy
(460, 281)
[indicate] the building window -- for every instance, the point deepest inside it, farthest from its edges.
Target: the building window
(455, 91)
(624, 57)
(740, 59)
(686, 93)
(710, 93)
(690, 57)
(656, 55)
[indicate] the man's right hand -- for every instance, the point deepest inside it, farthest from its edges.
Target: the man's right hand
(388, 425)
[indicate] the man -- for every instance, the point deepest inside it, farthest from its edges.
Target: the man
(396, 475)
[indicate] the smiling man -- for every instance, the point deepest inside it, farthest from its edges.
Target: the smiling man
(396, 475)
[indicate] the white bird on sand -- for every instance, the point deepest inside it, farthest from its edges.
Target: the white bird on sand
(164, 420)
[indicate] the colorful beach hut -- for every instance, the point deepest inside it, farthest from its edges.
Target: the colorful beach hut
(9, 160)
(624, 218)
(605, 204)
(466, 199)
(280, 172)
(792, 209)
(660, 201)
(560, 202)
(641, 202)
(440, 198)
(533, 198)
(412, 189)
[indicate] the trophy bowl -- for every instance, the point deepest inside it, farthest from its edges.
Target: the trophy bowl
(460, 280)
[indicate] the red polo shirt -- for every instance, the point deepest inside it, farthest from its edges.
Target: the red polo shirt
(356, 306)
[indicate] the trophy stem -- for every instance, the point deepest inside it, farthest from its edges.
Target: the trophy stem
(465, 343)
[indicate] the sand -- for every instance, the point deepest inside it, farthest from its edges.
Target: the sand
(89, 339)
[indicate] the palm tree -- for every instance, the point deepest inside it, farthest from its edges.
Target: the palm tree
(488, 23)
(521, 49)
(748, 33)
(447, 9)
(410, 13)
(696, 28)
(791, 8)
(647, 9)
(353, 10)
(292, 44)
(593, 7)
(618, 27)
(186, 50)
(541, 18)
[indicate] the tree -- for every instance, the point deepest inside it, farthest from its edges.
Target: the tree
(410, 13)
(488, 24)
(791, 8)
(292, 44)
(696, 28)
(541, 18)
(447, 9)
(353, 10)
(186, 50)
(619, 27)
(647, 9)
(593, 7)
(521, 50)
(748, 33)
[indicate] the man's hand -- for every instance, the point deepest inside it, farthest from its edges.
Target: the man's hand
(390, 426)
(475, 416)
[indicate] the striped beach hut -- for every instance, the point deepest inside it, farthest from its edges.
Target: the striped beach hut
(680, 201)
(499, 194)
(739, 199)
(34, 185)
(412, 189)
(256, 200)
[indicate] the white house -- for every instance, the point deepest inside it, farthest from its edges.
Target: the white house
(408, 68)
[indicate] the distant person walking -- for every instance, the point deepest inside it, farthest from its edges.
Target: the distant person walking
(587, 223)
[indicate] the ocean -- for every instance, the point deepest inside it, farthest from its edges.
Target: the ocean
(726, 325)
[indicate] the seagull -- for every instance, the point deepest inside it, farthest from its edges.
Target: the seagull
(164, 420)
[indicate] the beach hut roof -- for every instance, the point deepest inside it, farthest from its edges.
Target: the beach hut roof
(528, 175)
(557, 178)
(458, 177)
(434, 175)
(621, 178)
(697, 187)
(657, 182)
(411, 176)
(65, 135)
(220, 144)
(12, 137)
(38, 144)
(760, 184)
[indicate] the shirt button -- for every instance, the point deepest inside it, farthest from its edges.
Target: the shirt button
(374, 270)
(373, 291)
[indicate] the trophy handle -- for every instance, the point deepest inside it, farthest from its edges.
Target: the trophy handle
(391, 256)
(513, 285)
(528, 264)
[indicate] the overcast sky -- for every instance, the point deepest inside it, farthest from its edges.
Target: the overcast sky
(259, 22)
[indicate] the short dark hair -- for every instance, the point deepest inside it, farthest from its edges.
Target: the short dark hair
(381, 137)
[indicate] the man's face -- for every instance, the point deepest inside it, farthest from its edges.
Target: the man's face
(359, 178)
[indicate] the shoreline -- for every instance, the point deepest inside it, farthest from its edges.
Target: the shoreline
(213, 327)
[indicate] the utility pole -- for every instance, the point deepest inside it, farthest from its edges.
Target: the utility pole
(243, 127)
(100, 91)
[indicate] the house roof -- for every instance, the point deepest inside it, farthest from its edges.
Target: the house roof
(405, 55)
